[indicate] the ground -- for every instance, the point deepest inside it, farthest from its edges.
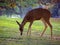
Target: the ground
(10, 35)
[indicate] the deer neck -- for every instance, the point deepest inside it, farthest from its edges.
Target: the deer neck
(23, 23)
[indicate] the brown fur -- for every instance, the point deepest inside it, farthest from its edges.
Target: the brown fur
(36, 14)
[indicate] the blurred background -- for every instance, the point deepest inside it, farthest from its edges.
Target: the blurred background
(19, 8)
(12, 10)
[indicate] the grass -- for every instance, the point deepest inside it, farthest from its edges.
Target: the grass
(10, 35)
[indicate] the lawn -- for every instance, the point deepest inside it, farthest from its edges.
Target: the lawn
(10, 35)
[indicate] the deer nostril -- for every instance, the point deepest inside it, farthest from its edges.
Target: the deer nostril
(21, 34)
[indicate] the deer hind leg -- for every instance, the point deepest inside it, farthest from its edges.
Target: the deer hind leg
(44, 28)
(48, 22)
(29, 29)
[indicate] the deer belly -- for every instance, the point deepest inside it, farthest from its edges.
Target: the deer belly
(37, 18)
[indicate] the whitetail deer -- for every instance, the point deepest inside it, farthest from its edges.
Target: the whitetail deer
(36, 14)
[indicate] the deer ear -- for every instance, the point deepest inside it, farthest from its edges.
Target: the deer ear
(18, 23)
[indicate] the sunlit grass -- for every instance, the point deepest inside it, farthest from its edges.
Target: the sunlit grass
(10, 25)
(10, 35)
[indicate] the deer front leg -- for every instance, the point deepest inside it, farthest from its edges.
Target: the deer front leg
(29, 29)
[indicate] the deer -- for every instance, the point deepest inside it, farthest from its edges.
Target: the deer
(34, 15)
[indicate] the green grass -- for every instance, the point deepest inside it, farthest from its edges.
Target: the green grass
(10, 35)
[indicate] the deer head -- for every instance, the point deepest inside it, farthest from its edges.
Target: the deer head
(20, 28)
